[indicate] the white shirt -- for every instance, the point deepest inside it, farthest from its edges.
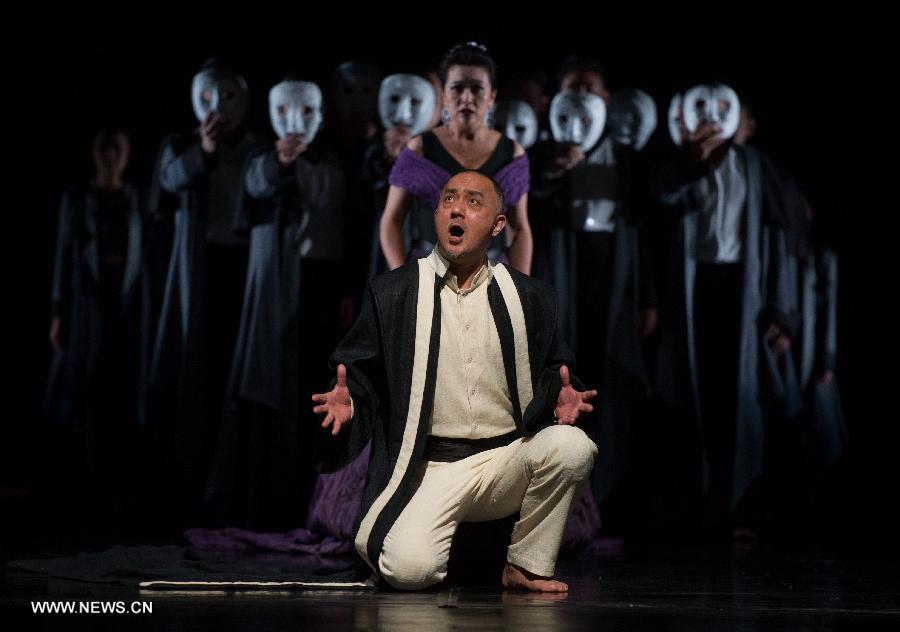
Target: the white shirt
(471, 398)
(720, 198)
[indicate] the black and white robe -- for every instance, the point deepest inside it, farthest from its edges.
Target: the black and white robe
(391, 356)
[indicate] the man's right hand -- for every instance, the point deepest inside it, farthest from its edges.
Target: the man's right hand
(335, 404)
(706, 143)
(289, 148)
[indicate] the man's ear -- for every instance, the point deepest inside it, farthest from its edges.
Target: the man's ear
(499, 224)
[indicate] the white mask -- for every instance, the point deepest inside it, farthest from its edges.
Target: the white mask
(355, 88)
(295, 107)
(517, 120)
(675, 119)
(406, 100)
(216, 91)
(715, 103)
(577, 118)
(632, 118)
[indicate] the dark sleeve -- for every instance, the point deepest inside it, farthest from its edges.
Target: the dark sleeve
(361, 353)
(826, 307)
(546, 179)
(550, 199)
(375, 167)
(265, 176)
(643, 215)
(539, 413)
(647, 284)
(778, 306)
(180, 170)
(61, 290)
(776, 209)
(670, 179)
(159, 202)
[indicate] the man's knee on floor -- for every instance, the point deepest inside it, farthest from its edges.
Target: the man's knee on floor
(569, 448)
(408, 567)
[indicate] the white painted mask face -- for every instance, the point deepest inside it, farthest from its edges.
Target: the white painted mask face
(406, 100)
(717, 104)
(675, 119)
(295, 107)
(632, 118)
(216, 91)
(355, 89)
(577, 118)
(517, 120)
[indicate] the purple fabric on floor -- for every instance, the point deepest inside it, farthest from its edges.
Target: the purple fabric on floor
(583, 525)
(332, 514)
(329, 527)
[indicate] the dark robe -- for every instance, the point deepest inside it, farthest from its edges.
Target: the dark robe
(262, 471)
(762, 299)
(813, 278)
(391, 358)
(200, 309)
(375, 172)
(597, 277)
(95, 392)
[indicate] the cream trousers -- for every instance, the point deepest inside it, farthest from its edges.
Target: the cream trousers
(537, 476)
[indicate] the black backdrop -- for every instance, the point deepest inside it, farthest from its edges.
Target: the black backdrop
(819, 87)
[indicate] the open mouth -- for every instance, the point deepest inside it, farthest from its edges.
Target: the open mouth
(456, 232)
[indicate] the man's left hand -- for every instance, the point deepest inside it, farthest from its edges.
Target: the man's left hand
(571, 403)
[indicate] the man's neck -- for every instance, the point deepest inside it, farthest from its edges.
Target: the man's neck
(465, 271)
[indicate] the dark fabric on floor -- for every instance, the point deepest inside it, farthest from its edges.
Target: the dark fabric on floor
(131, 565)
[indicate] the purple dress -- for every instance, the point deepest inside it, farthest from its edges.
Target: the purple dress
(424, 176)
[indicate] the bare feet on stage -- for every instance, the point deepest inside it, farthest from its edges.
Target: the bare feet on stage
(515, 578)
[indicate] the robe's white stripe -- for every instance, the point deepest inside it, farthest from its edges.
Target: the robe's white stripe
(424, 321)
(520, 334)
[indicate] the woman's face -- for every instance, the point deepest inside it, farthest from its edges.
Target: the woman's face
(468, 94)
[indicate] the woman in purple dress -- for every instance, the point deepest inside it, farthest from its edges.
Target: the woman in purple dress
(464, 141)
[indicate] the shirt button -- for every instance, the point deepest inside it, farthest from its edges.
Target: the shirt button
(469, 361)
(467, 327)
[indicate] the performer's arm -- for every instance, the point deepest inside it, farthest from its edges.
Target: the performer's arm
(179, 171)
(544, 409)
(351, 406)
(826, 319)
(266, 176)
(521, 243)
(391, 227)
(60, 295)
(671, 180)
(782, 321)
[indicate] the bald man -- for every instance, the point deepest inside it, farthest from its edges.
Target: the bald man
(455, 372)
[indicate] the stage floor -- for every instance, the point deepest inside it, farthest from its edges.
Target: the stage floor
(747, 591)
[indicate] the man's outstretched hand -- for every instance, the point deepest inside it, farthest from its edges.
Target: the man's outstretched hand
(571, 403)
(335, 404)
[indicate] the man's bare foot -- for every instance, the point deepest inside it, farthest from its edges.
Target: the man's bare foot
(516, 578)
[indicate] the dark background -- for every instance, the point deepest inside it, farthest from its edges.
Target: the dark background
(819, 87)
